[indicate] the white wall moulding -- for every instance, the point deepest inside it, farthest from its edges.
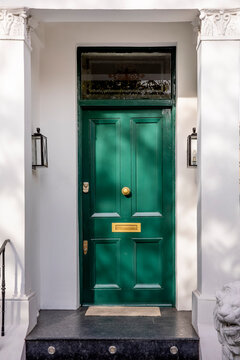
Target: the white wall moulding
(115, 15)
(220, 24)
(21, 317)
(14, 25)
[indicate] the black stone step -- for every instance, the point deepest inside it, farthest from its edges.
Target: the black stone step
(70, 335)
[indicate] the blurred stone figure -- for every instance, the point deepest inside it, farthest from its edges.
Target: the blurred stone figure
(227, 320)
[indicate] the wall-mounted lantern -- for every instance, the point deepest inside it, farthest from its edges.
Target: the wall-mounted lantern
(39, 150)
(192, 149)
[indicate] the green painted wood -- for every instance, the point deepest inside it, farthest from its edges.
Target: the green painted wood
(129, 103)
(147, 175)
(134, 148)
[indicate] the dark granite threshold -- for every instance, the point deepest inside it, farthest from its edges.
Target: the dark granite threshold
(74, 336)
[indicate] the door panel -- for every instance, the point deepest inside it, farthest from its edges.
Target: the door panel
(107, 256)
(148, 263)
(105, 136)
(146, 174)
(130, 148)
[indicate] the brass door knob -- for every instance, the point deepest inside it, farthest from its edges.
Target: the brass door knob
(126, 191)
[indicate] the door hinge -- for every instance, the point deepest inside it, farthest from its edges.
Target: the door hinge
(85, 187)
(85, 247)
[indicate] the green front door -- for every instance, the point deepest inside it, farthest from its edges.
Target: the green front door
(130, 254)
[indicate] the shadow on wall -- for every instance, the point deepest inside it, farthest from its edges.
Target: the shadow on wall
(18, 273)
(12, 184)
(12, 179)
(14, 287)
(221, 191)
(186, 205)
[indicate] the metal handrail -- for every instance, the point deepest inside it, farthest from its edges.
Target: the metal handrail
(4, 245)
(2, 251)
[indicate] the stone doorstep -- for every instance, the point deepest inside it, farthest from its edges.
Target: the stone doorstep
(66, 349)
(70, 335)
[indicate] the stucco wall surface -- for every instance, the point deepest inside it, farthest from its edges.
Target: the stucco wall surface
(56, 113)
(121, 4)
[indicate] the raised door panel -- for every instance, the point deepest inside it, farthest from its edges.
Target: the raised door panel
(148, 263)
(106, 263)
(105, 167)
(147, 166)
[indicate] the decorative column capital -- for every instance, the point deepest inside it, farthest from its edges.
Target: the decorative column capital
(218, 24)
(14, 25)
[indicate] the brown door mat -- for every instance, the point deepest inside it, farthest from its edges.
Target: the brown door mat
(123, 311)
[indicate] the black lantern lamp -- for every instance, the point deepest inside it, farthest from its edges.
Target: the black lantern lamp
(39, 150)
(192, 149)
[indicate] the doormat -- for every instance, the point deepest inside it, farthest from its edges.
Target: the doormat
(122, 311)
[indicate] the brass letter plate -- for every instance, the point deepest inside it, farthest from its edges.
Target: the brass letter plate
(126, 227)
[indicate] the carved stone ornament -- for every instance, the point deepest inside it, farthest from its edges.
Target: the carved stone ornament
(220, 24)
(227, 320)
(14, 25)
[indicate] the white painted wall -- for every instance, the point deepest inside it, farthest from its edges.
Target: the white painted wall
(57, 189)
(121, 4)
(12, 180)
(15, 194)
(219, 122)
(218, 203)
(34, 269)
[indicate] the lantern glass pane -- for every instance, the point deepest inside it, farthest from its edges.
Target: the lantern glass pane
(193, 151)
(45, 153)
(36, 151)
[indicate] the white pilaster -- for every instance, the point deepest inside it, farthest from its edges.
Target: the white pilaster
(218, 160)
(15, 160)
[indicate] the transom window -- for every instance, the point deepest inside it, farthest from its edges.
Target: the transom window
(126, 75)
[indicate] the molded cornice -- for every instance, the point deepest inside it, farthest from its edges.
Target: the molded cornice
(220, 24)
(14, 25)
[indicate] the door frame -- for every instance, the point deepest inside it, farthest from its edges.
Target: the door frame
(123, 104)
